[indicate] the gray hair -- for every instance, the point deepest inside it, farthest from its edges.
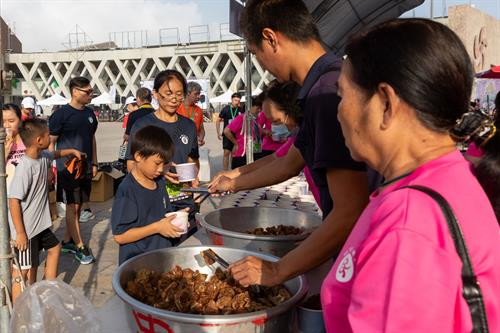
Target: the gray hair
(193, 86)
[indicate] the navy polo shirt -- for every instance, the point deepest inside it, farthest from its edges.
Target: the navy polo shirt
(182, 133)
(320, 139)
(75, 129)
(135, 206)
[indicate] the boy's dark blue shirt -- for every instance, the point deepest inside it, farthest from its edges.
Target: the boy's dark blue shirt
(135, 206)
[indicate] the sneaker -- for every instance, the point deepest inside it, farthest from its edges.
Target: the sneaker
(68, 247)
(84, 255)
(86, 216)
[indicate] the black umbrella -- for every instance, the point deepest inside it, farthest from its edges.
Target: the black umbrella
(338, 19)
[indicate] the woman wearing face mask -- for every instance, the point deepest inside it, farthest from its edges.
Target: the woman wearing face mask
(400, 269)
(280, 108)
(273, 135)
(14, 146)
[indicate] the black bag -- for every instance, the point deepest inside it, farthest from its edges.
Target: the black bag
(471, 290)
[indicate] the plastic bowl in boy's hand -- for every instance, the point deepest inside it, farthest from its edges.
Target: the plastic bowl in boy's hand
(180, 221)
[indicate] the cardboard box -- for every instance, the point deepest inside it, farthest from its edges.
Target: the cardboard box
(103, 185)
(52, 197)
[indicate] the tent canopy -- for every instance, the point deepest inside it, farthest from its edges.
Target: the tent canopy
(53, 100)
(337, 20)
(224, 98)
(104, 98)
(492, 73)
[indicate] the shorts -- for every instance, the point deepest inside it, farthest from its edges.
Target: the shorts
(226, 144)
(73, 191)
(237, 162)
(31, 256)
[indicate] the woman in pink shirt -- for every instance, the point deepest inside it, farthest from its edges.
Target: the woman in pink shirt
(14, 146)
(403, 85)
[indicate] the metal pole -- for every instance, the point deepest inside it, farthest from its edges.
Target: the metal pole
(432, 9)
(248, 118)
(5, 274)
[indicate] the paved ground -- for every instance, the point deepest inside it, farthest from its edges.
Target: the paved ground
(95, 279)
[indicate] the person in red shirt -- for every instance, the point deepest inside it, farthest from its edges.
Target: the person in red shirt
(130, 106)
(190, 110)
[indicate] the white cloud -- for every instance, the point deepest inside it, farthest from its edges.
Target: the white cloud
(46, 24)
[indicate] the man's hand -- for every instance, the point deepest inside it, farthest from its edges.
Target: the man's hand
(195, 183)
(235, 148)
(22, 241)
(201, 141)
(219, 136)
(94, 171)
(221, 184)
(167, 229)
(78, 154)
(251, 270)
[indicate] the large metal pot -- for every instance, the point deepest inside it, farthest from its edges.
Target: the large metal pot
(228, 227)
(145, 318)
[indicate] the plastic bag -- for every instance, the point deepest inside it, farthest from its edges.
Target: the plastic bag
(53, 307)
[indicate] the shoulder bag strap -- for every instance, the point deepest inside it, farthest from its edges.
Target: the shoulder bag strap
(471, 290)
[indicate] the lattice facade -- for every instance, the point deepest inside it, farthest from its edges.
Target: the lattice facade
(222, 63)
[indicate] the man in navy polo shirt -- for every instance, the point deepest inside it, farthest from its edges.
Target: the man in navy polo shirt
(74, 126)
(285, 40)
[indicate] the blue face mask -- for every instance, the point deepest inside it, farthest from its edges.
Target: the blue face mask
(280, 132)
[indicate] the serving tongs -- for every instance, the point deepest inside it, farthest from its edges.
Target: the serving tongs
(211, 257)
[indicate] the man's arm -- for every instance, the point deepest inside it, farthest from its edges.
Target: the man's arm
(279, 170)
(217, 126)
(94, 156)
(349, 191)
(201, 134)
(53, 141)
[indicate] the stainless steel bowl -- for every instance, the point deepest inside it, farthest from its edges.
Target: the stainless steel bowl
(145, 318)
(228, 227)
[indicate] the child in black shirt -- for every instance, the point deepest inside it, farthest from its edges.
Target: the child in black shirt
(141, 201)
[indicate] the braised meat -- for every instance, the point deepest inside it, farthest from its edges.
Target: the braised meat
(188, 291)
(277, 230)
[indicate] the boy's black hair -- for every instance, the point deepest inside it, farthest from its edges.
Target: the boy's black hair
(31, 129)
(152, 140)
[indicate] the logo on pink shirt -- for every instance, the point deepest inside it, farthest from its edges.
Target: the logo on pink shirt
(345, 270)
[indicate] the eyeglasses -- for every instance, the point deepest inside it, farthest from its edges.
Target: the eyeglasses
(88, 92)
(170, 96)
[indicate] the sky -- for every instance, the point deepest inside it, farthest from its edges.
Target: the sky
(45, 25)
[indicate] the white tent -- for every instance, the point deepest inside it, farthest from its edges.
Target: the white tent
(53, 100)
(255, 92)
(224, 98)
(104, 98)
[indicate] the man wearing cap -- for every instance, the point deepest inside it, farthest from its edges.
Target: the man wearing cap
(228, 113)
(74, 126)
(130, 106)
(143, 99)
(27, 108)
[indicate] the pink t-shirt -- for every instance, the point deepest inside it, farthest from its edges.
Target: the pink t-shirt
(399, 270)
(17, 150)
(283, 150)
(236, 127)
(267, 141)
(474, 151)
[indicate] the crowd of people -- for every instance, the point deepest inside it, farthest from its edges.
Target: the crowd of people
(425, 240)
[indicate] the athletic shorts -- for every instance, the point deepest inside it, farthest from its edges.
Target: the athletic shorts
(226, 144)
(71, 191)
(31, 256)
